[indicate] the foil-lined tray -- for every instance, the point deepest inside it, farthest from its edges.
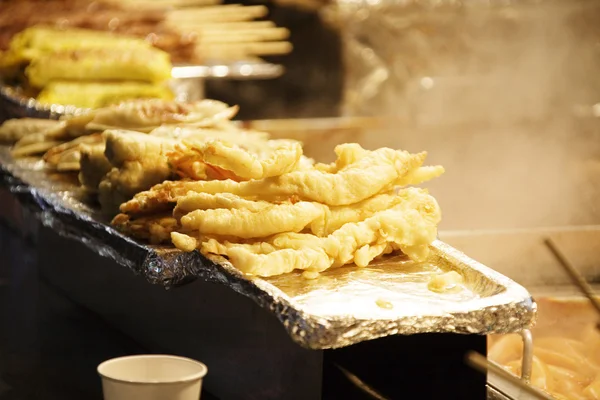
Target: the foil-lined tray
(187, 84)
(342, 307)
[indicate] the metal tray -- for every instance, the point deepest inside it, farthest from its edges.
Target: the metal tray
(338, 309)
(187, 84)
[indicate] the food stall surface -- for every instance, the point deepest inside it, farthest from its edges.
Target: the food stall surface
(216, 325)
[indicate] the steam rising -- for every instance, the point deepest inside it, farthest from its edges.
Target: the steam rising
(490, 95)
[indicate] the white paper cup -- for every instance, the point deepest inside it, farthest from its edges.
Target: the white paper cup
(152, 377)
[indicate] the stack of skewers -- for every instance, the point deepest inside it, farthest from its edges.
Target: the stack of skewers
(202, 30)
(87, 54)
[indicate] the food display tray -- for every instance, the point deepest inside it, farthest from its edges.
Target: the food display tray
(187, 84)
(339, 309)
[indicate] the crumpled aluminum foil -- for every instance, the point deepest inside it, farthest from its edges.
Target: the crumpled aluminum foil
(342, 307)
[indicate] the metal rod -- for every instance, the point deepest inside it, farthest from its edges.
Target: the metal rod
(527, 363)
(482, 364)
(359, 383)
(575, 276)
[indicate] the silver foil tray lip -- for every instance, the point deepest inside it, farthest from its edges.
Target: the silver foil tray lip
(507, 308)
(232, 70)
(312, 316)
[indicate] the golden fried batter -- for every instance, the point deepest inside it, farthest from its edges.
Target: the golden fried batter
(262, 259)
(93, 166)
(377, 171)
(282, 156)
(13, 130)
(146, 115)
(155, 229)
(69, 152)
(204, 201)
(336, 217)
(139, 161)
(183, 241)
(411, 226)
(245, 223)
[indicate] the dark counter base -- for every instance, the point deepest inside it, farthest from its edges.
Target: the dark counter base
(64, 309)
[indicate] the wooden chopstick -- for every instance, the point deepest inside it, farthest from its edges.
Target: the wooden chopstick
(233, 13)
(484, 365)
(264, 35)
(575, 276)
(201, 27)
(164, 4)
(254, 49)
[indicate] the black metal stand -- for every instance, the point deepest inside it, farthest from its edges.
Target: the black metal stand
(90, 309)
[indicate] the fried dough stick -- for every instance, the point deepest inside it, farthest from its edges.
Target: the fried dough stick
(377, 171)
(205, 201)
(410, 225)
(228, 209)
(247, 224)
(280, 157)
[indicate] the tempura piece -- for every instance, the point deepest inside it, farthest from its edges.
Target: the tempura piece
(420, 175)
(217, 129)
(115, 64)
(14, 129)
(147, 115)
(204, 201)
(184, 242)
(374, 173)
(347, 154)
(100, 94)
(156, 229)
(262, 259)
(410, 225)
(139, 162)
(245, 223)
(336, 217)
(66, 156)
(31, 149)
(93, 166)
(280, 157)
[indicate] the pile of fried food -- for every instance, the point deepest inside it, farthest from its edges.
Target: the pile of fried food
(85, 68)
(185, 173)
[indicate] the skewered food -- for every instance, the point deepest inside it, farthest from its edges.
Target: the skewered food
(86, 68)
(190, 35)
(147, 65)
(97, 95)
(40, 41)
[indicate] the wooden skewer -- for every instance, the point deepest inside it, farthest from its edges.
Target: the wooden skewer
(221, 18)
(213, 37)
(310, 5)
(205, 10)
(220, 27)
(482, 364)
(164, 4)
(255, 49)
(218, 13)
(575, 276)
